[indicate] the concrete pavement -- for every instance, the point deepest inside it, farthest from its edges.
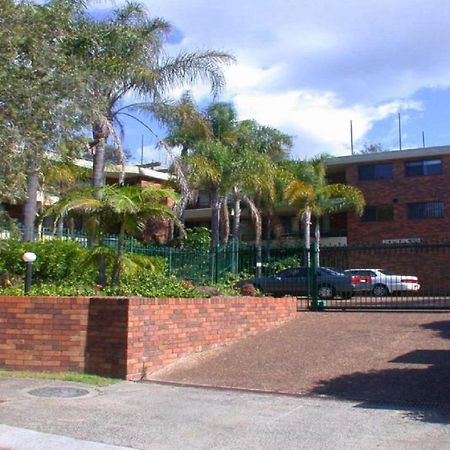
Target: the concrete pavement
(153, 416)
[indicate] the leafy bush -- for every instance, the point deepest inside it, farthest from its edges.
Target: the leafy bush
(66, 268)
(281, 264)
(197, 237)
(56, 259)
(151, 284)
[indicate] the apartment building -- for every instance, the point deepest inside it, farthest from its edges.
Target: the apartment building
(407, 195)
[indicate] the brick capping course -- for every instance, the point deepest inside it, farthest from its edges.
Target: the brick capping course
(126, 337)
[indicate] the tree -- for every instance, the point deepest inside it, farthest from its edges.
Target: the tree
(313, 197)
(128, 207)
(208, 169)
(266, 140)
(40, 90)
(124, 55)
(372, 148)
(185, 123)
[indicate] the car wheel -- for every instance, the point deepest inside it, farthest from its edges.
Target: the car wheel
(325, 292)
(380, 290)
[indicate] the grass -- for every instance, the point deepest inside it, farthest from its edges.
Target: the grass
(85, 378)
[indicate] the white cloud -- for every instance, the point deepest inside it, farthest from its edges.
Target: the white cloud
(310, 67)
(319, 119)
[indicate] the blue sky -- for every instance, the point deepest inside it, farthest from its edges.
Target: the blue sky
(308, 67)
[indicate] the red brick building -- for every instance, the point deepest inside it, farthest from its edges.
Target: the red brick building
(407, 195)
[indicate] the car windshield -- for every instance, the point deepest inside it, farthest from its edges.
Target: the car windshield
(386, 272)
(331, 271)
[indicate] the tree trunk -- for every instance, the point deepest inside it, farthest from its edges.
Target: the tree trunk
(307, 236)
(100, 135)
(317, 237)
(215, 218)
(115, 279)
(236, 215)
(224, 222)
(30, 207)
(60, 227)
(215, 232)
(256, 217)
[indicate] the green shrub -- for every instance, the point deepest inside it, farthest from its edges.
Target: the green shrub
(281, 264)
(197, 237)
(56, 259)
(150, 284)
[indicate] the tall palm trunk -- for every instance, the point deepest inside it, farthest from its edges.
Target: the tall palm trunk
(224, 222)
(215, 218)
(236, 215)
(30, 207)
(256, 217)
(307, 236)
(317, 238)
(215, 232)
(100, 135)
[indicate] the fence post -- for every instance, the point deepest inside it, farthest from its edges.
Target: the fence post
(170, 261)
(312, 278)
(234, 256)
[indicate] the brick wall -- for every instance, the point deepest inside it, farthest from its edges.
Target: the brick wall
(43, 333)
(124, 337)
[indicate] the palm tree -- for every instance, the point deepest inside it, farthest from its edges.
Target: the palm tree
(314, 198)
(208, 169)
(124, 56)
(130, 207)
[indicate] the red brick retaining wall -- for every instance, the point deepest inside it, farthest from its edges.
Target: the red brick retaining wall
(125, 338)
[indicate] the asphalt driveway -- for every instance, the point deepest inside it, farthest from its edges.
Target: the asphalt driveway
(375, 357)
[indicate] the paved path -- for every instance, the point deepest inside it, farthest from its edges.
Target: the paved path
(23, 439)
(152, 416)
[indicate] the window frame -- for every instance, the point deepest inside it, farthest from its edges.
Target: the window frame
(369, 176)
(425, 216)
(377, 209)
(422, 165)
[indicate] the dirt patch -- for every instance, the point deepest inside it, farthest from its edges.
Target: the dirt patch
(368, 356)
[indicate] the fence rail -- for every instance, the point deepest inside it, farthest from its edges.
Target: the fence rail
(428, 262)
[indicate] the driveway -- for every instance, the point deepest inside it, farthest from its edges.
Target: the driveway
(392, 358)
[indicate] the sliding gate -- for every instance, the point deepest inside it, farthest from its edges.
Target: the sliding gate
(400, 277)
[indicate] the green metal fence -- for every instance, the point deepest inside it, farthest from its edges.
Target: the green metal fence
(199, 265)
(429, 262)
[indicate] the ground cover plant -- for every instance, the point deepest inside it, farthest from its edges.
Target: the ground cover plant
(85, 378)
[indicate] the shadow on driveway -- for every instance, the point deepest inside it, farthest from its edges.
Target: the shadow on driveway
(426, 387)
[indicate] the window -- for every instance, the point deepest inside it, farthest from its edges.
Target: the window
(286, 223)
(203, 200)
(425, 210)
(378, 214)
(375, 171)
(294, 272)
(423, 167)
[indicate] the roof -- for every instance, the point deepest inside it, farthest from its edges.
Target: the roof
(113, 169)
(343, 161)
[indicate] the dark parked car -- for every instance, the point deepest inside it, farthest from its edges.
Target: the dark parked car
(294, 281)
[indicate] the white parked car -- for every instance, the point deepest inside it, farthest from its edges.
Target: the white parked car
(385, 283)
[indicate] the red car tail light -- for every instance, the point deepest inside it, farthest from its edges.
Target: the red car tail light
(409, 280)
(361, 279)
